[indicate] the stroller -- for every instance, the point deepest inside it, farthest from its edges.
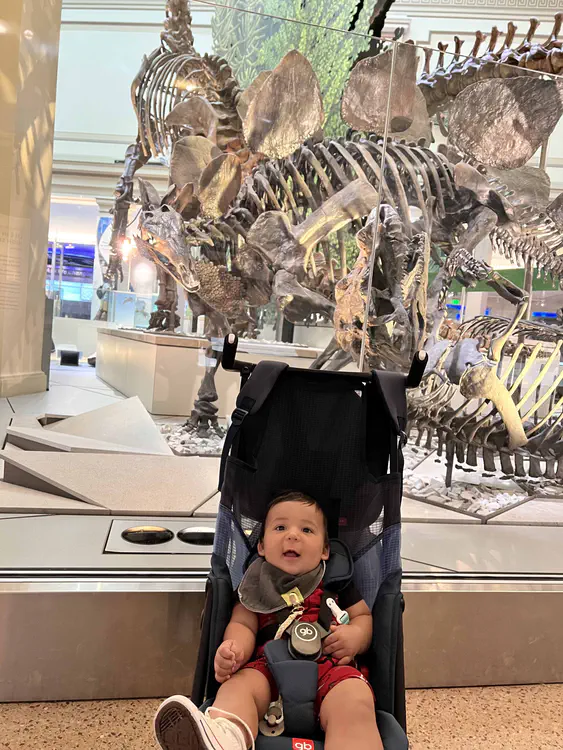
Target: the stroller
(338, 437)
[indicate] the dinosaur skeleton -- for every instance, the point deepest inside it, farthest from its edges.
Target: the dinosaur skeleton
(414, 178)
(326, 186)
(333, 186)
(522, 429)
(445, 82)
(531, 235)
(503, 402)
(173, 76)
(261, 225)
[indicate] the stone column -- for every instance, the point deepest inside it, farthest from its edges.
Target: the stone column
(29, 35)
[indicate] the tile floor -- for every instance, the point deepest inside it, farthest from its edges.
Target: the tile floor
(494, 718)
(434, 539)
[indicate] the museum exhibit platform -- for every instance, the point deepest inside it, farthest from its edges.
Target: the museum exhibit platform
(84, 591)
(165, 370)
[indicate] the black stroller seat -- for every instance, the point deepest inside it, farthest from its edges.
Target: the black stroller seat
(338, 438)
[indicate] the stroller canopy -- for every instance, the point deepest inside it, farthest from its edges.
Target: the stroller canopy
(336, 438)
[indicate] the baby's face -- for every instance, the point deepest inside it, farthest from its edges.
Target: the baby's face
(294, 537)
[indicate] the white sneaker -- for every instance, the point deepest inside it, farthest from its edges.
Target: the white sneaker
(180, 725)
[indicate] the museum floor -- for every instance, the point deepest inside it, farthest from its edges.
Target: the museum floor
(434, 538)
(496, 718)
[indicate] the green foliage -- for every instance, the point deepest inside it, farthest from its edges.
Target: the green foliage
(350, 248)
(239, 37)
(331, 53)
(252, 43)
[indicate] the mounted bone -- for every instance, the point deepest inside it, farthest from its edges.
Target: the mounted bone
(219, 184)
(466, 176)
(364, 103)
(161, 239)
(448, 82)
(245, 98)
(481, 381)
(420, 128)
(391, 333)
(149, 194)
(186, 202)
(190, 156)
(195, 115)
(177, 34)
(291, 248)
(502, 123)
(531, 186)
(298, 302)
(555, 211)
(286, 110)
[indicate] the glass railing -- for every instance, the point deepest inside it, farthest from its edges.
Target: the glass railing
(343, 201)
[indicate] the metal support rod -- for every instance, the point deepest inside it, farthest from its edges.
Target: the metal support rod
(379, 195)
(449, 463)
(543, 153)
(529, 285)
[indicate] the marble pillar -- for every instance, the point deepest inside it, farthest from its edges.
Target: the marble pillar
(29, 45)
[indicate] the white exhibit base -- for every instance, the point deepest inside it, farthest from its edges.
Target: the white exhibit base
(82, 333)
(165, 371)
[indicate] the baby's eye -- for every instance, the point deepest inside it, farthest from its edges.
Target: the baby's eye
(307, 530)
(279, 527)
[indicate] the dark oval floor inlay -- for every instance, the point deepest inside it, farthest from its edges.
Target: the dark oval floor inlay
(197, 535)
(147, 535)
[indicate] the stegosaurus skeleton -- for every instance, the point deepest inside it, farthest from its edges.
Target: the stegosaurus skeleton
(286, 209)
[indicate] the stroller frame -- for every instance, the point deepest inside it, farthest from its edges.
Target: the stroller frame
(386, 663)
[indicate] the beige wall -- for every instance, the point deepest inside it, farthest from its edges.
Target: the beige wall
(28, 72)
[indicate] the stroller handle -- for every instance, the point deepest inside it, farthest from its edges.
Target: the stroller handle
(418, 365)
(230, 353)
(230, 362)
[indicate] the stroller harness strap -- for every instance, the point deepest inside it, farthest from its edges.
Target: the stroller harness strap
(297, 683)
(251, 397)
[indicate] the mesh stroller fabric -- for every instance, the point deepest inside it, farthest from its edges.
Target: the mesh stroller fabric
(335, 439)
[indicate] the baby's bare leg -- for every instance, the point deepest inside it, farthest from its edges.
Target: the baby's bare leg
(246, 695)
(348, 717)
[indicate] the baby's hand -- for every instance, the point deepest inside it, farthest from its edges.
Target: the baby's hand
(343, 643)
(228, 660)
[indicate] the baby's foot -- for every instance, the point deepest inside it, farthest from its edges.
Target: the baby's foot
(180, 725)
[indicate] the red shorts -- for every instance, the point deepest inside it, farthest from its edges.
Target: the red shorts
(330, 675)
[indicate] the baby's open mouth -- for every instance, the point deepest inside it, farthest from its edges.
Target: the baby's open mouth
(291, 553)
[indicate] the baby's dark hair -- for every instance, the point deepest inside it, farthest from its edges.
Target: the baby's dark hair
(294, 496)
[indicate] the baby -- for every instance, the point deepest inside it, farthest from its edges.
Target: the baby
(294, 546)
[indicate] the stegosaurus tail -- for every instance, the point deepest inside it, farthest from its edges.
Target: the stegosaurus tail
(448, 79)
